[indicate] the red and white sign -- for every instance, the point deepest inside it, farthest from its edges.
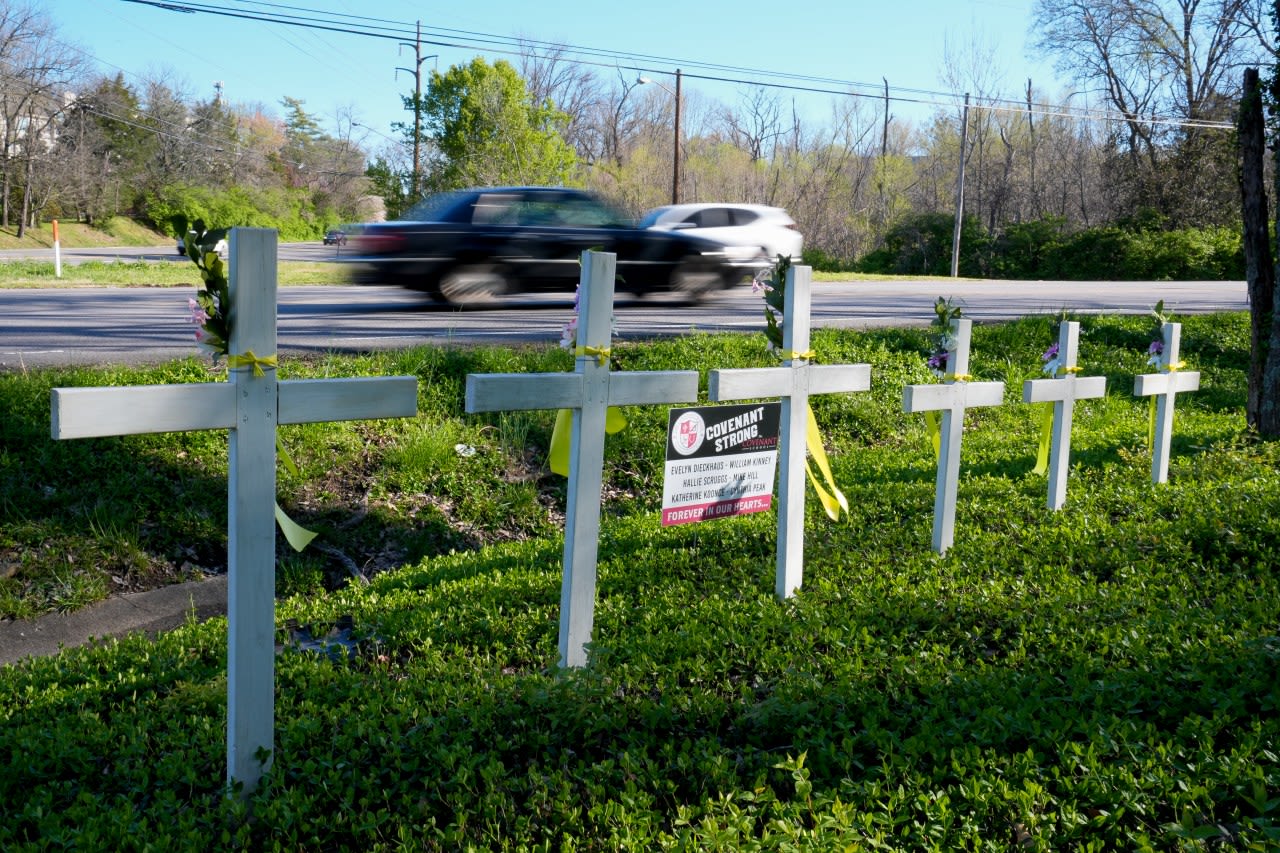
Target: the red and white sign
(720, 461)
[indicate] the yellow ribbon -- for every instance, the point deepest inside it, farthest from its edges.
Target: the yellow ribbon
(1046, 438)
(601, 353)
(792, 355)
(1176, 366)
(1151, 423)
(934, 431)
(1072, 369)
(299, 537)
(248, 359)
(558, 453)
(834, 500)
(958, 377)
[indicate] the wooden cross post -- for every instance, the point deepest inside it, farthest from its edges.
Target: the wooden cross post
(588, 392)
(250, 406)
(1063, 391)
(794, 382)
(952, 396)
(1165, 385)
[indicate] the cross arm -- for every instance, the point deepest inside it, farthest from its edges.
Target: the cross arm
(650, 387)
(951, 395)
(135, 409)
(495, 392)
(1064, 388)
(744, 383)
(1150, 384)
(311, 400)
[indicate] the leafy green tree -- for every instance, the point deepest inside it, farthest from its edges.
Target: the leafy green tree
(487, 130)
(391, 185)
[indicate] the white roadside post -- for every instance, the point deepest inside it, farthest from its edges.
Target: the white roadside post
(794, 382)
(588, 391)
(249, 406)
(1165, 386)
(1063, 391)
(952, 396)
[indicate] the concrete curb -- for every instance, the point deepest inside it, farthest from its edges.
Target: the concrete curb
(149, 612)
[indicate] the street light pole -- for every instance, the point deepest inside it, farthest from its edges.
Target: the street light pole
(675, 150)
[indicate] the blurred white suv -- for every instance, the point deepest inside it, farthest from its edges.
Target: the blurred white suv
(747, 231)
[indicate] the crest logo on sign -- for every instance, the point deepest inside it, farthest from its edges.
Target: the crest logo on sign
(688, 433)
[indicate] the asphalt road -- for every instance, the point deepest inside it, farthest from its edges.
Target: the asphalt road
(49, 327)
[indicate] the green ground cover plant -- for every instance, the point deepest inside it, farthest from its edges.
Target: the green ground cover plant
(1100, 678)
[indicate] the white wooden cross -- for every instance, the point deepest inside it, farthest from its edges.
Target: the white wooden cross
(1164, 386)
(249, 406)
(1063, 391)
(794, 382)
(588, 392)
(952, 396)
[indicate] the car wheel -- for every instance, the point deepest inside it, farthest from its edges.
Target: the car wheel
(692, 281)
(470, 284)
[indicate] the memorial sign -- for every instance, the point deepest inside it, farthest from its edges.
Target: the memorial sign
(720, 462)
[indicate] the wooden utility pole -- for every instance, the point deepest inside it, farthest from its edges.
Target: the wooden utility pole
(675, 154)
(416, 71)
(964, 143)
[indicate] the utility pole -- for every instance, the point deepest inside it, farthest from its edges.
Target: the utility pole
(416, 71)
(675, 155)
(964, 142)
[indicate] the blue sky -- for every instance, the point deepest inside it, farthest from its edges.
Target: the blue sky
(849, 41)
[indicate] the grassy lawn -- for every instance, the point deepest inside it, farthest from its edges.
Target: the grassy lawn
(1100, 678)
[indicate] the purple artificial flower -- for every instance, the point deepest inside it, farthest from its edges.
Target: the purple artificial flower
(1050, 354)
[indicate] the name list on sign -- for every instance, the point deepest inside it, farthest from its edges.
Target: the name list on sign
(720, 461)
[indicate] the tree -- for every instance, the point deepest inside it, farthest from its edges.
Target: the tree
(487, 130)
(36, 76)
(1152, 61)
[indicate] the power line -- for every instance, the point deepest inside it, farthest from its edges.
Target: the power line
(362, 25)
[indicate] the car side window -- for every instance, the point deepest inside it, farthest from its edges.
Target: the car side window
(744, 217)
(713, 217)
(583, 213)
(495, 209)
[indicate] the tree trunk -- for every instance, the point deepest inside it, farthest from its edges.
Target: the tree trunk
(1264, 362)
(1259, 265)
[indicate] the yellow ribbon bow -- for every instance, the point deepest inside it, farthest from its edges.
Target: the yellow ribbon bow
(792, 355)
(832, 501)
(958, 377)
(558, 452)
(248, 359)
(601, 353)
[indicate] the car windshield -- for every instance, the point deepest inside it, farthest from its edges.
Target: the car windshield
(435, 208)
(650, 219)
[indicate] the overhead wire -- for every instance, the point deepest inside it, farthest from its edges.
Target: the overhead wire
(363, 25)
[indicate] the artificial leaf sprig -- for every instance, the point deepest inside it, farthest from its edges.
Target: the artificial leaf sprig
(945, 310)
(772, 284)
(211, 307)
(1155, 352)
